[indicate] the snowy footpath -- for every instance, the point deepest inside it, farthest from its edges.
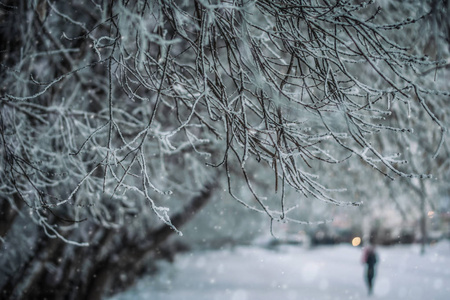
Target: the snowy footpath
(294, 273)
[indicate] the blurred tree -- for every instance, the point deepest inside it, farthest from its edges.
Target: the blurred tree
(120, 119)
(416, 199)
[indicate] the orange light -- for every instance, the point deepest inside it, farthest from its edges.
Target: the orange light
(356, 241)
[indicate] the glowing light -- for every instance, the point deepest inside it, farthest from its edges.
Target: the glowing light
(356, 241)
(431, 214)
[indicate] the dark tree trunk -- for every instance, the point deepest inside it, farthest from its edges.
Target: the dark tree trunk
(131, 256)
(8, 213)
(62, 271)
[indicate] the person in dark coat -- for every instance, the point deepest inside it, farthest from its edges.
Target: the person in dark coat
(370, 259)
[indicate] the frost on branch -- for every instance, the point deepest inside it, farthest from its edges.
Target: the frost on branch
(108, 113)
(119, 120)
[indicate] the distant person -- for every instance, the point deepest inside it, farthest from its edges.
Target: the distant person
(369, 259)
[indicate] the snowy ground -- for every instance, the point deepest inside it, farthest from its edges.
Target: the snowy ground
(294, 273)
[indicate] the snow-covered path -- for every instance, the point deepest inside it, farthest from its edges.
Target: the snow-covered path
(293, 273)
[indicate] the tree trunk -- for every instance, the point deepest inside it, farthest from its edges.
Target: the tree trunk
(8, 213)
(58, 270)
(132, 255)
(423, 222)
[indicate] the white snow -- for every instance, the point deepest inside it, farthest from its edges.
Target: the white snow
(292, 272)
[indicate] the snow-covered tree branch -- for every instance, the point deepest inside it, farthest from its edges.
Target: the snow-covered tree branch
(116, 115)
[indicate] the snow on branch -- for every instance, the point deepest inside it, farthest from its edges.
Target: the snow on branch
(132, 89)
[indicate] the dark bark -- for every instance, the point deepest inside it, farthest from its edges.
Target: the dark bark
(8, 213)
(92, 272)
(23, 284)
(132, 256)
